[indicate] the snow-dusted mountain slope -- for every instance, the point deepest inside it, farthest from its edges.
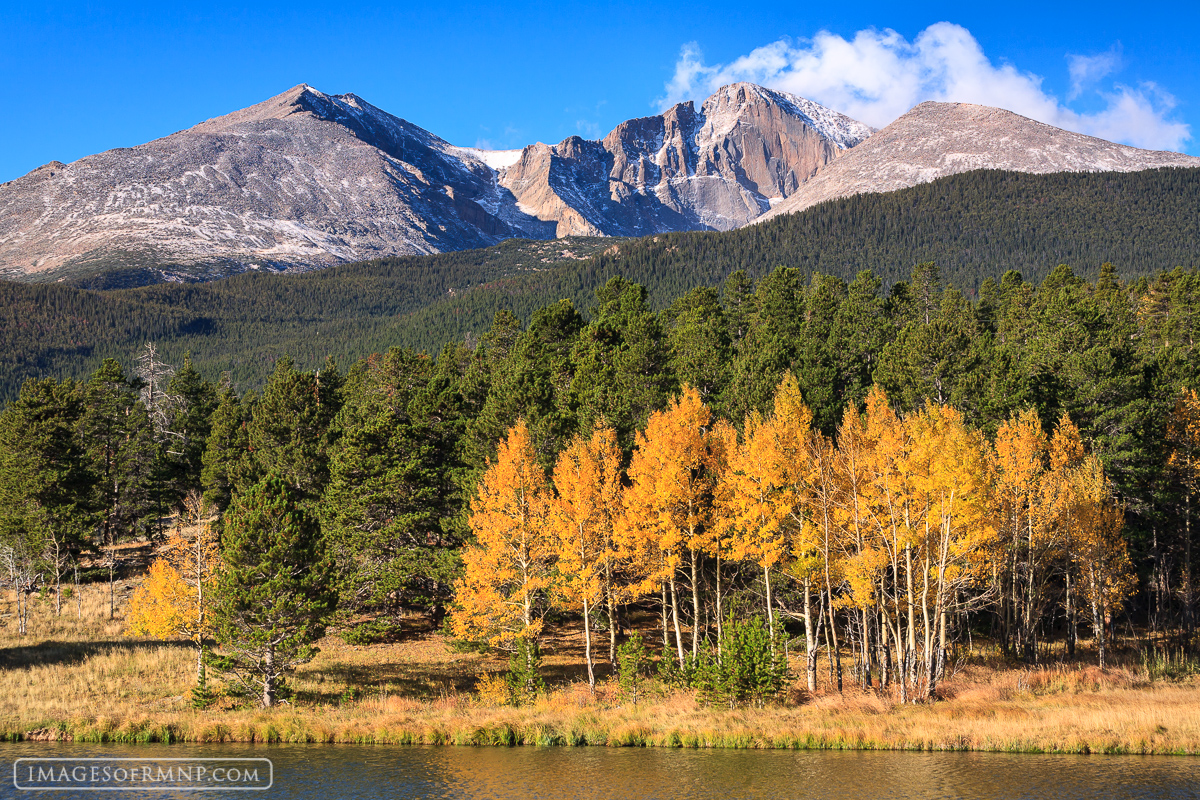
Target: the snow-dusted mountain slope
(938, 139)
(306, 179)
(301, 180)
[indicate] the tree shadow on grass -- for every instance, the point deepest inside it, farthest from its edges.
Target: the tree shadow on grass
(70, 653)
(424, 681)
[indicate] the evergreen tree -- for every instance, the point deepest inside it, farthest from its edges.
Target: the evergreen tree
(190, 427)
(622, 371)
(769, 346)
(274, 591)
(290, 426)
(386, 511)
(700, 347)
(225, 465)
(119, 436)
(45, 482)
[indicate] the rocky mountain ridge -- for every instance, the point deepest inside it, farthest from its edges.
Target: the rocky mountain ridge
(935, 140)
(306, 179)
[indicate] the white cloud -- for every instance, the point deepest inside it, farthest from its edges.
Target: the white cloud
(1086, 71)
(878, 75)
(587, 128)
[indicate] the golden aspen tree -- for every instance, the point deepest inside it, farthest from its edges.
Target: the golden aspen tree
(1101, 555)
(950, 480)
(175, 597)
(587, 478)
(503, 595)
(893, 521)
(1059, 508)
(755, 504)
(160, 606)
(863, 559)
(1183, 438)
(1020, 458)
(669, 501)
(819, 501)
(723, 446)
(791, 438)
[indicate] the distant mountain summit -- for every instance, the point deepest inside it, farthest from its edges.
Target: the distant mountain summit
(934, 140)
(301, 180)
(712, 169)
(306, 179)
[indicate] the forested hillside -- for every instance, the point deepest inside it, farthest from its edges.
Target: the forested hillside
(972, 226)
(896, 470)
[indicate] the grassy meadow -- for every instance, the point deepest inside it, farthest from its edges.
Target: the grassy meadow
(78, 676)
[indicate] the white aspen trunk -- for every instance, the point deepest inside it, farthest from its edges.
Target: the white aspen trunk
(910, 665)
(675, 622)
(612, 615)
(884, 655)
(587, 644)
(57, 577)
(720, 629)
(695, 604)
(666, 636)
(835, 649)
(1097, 616)
(927, 629)
(770, 609)
(587, 619)
(866, 648)
(810, 639)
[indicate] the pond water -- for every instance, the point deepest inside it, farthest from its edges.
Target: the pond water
(330, 772)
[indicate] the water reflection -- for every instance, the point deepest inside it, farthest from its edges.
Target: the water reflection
(316, 772)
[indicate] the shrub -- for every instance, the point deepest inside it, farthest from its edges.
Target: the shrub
(633, 660)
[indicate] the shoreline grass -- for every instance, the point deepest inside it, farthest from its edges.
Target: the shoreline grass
(80, 679)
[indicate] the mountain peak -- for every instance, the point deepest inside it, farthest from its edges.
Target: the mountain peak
(299, 99)
(731, 103)
(933, 140)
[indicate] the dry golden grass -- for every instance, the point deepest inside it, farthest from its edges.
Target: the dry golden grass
(83, 679)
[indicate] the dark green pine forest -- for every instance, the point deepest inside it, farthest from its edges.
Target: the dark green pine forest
(973, 226)
(386, 451)
(377, 392)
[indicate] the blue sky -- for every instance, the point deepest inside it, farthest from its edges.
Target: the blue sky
(79, 78)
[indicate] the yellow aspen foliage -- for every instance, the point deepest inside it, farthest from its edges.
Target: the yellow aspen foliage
(173, 600)
(1183, 464)
(1101, 555)
(668, 504)
(584, 511)
(755, 502)
(161, 605)
(504, 591)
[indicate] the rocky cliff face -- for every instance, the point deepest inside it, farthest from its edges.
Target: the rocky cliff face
(712, 169)
(938, 139)
(307, 179)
